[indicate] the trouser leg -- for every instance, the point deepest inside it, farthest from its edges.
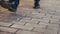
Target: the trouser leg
(14, 7)
(36, 4)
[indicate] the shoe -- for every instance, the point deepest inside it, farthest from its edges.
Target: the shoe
(36, 7)
(12, 9)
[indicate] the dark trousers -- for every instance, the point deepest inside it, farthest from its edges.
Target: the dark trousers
(36, 2)
(10, 5)
(16, 3)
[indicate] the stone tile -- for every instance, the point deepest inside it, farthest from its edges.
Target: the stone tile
(22, 27)
(43, 24)
(35, 25)
(47, 15)
(7, 29)
(19, 23)
(39, 29)
(53, 27)
(37, 15)
(55, 17)
(44, 20)
(27, 32)
(50, 18)
(34, 20)
(50, 32)
(5, 24)
(5, 33)
(25, 20)
(54, 21)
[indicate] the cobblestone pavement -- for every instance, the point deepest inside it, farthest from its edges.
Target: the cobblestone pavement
(31, 21)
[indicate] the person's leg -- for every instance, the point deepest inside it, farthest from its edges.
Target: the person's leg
(36, 4)
(11, 5)
(3, 4)
(8, 4)
(14, 6)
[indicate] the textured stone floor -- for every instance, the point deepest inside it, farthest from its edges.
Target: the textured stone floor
(31, 21)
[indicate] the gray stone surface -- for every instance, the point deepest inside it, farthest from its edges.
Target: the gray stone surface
(31, 21)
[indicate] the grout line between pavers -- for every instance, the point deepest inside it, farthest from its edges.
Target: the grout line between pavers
(11, 25)
(38, 22)
(16, 31)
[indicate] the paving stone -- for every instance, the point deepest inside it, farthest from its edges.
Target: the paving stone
(50, 32)
(47, 15)
(5, 33)
(44, 20)
(55, 17)
(50, 29)
(35, 25)
(52, 12)
(38, 15)
(27, 32)
(43, 24)
(25, 20)
(5, 24)
(39, 29)
(22, 27)
(57, 13)
(34, 20)
(7, 29)
(47, 18)
(53, 27)
(54, 21)
(19, 23)
(48, 22)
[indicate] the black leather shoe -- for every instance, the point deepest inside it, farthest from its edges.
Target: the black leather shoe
(12, 9)
(36, 7)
